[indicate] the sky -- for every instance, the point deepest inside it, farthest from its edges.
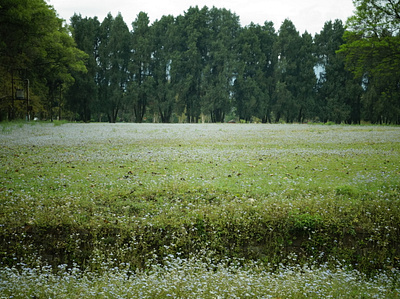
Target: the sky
(306, 15)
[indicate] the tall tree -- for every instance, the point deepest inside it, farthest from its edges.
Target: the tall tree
(286, 72)
(141, 85)
(372, 39)
(220, 63)
(372, 52)
(35, 40)
(60, 59)
(114, 58)
(307, 79)
(339, 94)
(249, 83)
(82, 95)
(294, 74)
(163, 46)
(103, 72)
(120, 50)
(189, 63)
(267, 39)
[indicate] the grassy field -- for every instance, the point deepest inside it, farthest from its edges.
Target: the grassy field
(245, 210)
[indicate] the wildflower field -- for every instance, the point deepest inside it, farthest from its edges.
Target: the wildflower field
(199, 211)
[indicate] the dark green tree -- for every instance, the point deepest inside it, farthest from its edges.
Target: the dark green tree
(286, 72)
(61, 58)
(338, 93)
(220, 63)
(113, 62)
(372, 52)
(294, 74)
(35, 40)
(190, 61)
(163, 39)
(380, 102)
(141, 85)
(307, 79)
(82, 95)
(249, 87)
(103, 71)
(120, 50)
(267, 37)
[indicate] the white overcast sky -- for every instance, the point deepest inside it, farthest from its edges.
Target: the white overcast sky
(307, 15)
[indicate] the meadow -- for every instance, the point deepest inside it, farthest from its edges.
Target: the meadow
(199, 210)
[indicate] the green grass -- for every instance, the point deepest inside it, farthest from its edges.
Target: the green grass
(127, 193)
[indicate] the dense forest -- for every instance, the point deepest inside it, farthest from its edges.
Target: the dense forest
(202, 66)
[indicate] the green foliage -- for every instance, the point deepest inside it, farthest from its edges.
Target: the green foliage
(252, 85)
(372, 39)
(141, 87)
(294, 74)
(221, 64)
(339, 94)
(36, 46)
(163, 43)
(200, 66)
(371, 52)
(82, 95)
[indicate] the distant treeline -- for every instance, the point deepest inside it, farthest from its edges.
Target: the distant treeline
(204, 66)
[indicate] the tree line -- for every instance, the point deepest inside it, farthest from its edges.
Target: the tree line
(204, 66)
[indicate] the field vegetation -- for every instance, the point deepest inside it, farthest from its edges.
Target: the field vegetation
(202, 211)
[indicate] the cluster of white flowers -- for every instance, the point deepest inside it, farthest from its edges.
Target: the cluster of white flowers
(197, 278)
(121, 133)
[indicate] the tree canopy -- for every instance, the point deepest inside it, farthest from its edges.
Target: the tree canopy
(372, 52)
(35, 45)
(199, 66)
